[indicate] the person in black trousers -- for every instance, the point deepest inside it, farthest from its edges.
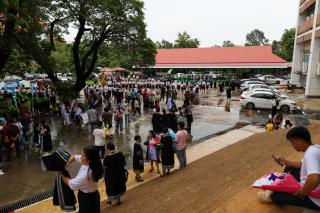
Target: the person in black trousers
(138, 161)
(86, 181)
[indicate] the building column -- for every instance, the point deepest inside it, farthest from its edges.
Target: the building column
(297, 56)
(313, 81)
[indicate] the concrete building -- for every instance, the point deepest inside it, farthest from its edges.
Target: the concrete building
(306, 57)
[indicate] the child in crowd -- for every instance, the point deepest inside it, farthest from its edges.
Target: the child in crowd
(138, 161)
(288, 124)
(270, 126)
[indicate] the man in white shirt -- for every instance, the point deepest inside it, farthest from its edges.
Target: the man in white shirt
(99, 139)
(308, 167)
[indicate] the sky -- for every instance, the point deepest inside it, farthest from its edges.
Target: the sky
(213, 21)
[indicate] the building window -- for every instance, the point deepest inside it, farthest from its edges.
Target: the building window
(306, 56)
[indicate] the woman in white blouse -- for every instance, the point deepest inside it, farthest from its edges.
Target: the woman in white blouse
(86, 181)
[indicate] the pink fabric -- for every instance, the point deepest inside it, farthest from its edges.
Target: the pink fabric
(181, 139)
(289, 185)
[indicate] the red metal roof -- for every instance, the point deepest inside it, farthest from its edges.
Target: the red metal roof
(253, 56)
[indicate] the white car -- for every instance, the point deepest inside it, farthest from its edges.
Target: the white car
(270, 79)
(245, 86)
(263, 100)
(258, 86)
(276, 92)
(63, 79)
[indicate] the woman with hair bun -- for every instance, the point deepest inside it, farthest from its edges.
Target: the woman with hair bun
(86, 181)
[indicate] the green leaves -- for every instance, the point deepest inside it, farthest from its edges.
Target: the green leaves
(284, 47)
(256, 38)
(184, 40)
(164, 44)
(228, 44)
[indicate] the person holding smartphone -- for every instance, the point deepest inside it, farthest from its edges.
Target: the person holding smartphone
(306, 171)
(86, 181)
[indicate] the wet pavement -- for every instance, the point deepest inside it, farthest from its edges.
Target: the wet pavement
(24, 178)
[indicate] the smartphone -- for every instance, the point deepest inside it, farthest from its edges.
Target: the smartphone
(277, 160)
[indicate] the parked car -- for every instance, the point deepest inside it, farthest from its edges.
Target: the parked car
(245, 86)
(263, 100)
(257, 86)
(270, 79)
(29, 76)
(276, 92)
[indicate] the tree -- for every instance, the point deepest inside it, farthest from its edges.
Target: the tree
(8, 19)
(256, 38)
(146, 54)
(19, 62)
(284, 48)
(41, 24)
(164, 44)
(63, 57)
(96, 21)
(184, 40)
(228, 44)
(99, 21)
(142, 54)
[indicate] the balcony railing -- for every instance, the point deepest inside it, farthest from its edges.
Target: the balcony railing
(302, 1)
(306, 6)
(306, 26)
(304, 38)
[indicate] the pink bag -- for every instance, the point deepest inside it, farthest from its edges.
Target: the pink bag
(288, 185)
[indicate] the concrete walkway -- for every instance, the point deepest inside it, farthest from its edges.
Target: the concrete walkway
(194, 152)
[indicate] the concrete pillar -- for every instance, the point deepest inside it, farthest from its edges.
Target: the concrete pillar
(313, 81)
(297, 56)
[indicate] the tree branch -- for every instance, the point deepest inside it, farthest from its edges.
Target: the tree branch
(51, 33)
(76, 46)
(103, 35)
(38, 54)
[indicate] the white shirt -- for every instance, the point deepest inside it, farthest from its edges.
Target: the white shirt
(311, 165)
(84, 180)
(99, 137)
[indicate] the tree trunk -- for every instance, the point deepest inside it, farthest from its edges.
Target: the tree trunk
(79, 85)
(7, 39)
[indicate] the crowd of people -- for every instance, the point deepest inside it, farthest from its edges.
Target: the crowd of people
(20, 124)
(170, 134)
(108, 109)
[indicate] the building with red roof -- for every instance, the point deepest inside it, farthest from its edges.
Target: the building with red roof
(258, 57)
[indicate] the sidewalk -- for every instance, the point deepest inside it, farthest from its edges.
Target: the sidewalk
(194, 153)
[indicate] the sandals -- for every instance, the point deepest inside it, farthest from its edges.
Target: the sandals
(264, 196)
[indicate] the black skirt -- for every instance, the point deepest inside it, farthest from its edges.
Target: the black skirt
(89, 202)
